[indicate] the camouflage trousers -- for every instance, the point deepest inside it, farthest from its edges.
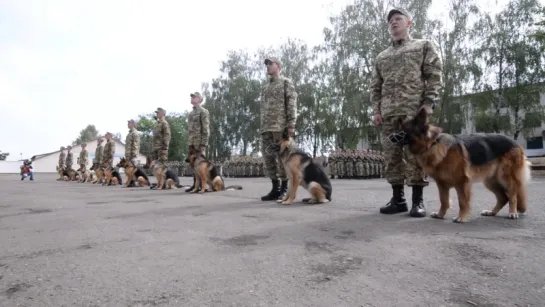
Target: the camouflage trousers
(161, 160)
(273, 167)
(400, 164)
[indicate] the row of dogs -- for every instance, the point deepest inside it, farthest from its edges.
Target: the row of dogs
(453, 161)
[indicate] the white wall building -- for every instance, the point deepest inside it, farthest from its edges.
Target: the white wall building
(47, 163)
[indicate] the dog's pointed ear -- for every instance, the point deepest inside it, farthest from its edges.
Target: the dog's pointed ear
(421, 119)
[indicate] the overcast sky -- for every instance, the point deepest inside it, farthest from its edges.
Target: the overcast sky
(68, 63)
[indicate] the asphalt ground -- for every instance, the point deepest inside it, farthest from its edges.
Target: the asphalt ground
(70, 244)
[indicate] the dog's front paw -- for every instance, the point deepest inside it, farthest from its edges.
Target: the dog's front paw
(436, 215)
(286, 202)
(488, 213)
(201, 191)
(513, 215)
(194, 190)
(459, 220)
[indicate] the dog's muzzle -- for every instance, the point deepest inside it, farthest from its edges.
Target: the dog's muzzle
(399, 138)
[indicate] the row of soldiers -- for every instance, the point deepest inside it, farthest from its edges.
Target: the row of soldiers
(341, 164)
(356, 164)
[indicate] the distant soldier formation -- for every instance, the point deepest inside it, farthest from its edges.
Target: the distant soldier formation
(341, 164)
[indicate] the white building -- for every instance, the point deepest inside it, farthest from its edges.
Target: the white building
(47, 163)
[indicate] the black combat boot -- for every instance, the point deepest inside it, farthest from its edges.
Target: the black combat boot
(283, 189)
(193, 186)
(418, 209)
(398, 203)
(274, 193)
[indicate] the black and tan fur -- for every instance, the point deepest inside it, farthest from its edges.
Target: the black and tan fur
(303, 171)
(207, 175)
(165, 179)
(459, 161)
(112, 177)
(132, 173)
(99, 173)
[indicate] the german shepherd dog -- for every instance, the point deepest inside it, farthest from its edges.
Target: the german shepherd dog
(206, 174)
(303, 171)
(112, 177)
(83, 176)
(98, 172)
(132, 173)
(165, 180)
(457, 161)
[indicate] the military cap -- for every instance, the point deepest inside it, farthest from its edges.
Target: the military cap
(131, 121)
(273, 60)
(109, 133)
(83, 144)
(62, 148)
(69, 147)
(160, 110)
(100, 140)
(196, 94)
(398, 11)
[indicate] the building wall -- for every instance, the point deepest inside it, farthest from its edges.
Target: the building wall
(48, 164)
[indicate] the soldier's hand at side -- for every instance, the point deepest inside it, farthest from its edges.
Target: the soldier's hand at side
(377, 119)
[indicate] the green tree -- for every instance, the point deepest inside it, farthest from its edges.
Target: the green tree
(178, 129)
(3, 156)
(88, 134)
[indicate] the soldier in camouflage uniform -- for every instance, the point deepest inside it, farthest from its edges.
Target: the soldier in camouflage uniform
(161, 141)
(132, 146)
(97, 161)
(198, 125)
(69, 161)
(278, 117)
(333, 164)
(82, 160)
(60, 166)
(109, 152)
(406, 75)
(359, 164)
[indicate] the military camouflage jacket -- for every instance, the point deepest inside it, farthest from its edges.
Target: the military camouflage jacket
(198, 125)
(62, 156)
(406, 75)
(132, 144)
(83, 157)
(109, 151)
(98, 154)
(273, 110)
(161, 135)
(69, 159)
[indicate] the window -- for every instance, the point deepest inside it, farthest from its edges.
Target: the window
(534, 143)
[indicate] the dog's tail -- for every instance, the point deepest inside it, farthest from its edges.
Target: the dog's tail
(233, 188)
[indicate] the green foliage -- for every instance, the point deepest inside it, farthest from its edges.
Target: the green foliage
(178, 128)
(3, 156)
(88, 134)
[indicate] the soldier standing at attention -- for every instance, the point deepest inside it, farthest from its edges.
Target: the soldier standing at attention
(278, 116)
(69, 160)
(109, 152)
(406, 75)
(198, 126)
(62, 157)
(83, 157)
(161, 140)
(97, 161)
(132, 145)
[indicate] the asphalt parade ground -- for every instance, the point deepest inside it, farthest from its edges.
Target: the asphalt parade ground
(71, 244)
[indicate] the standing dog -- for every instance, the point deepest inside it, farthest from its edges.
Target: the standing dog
(132, 173)
(206, 174)
(459, 161)
(303, 171)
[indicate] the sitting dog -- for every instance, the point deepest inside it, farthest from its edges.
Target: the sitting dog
(165, 179)
(457, 161)
(99, 178)
(112, 177)
(303, 171)
(206, 174)
(132, 172)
